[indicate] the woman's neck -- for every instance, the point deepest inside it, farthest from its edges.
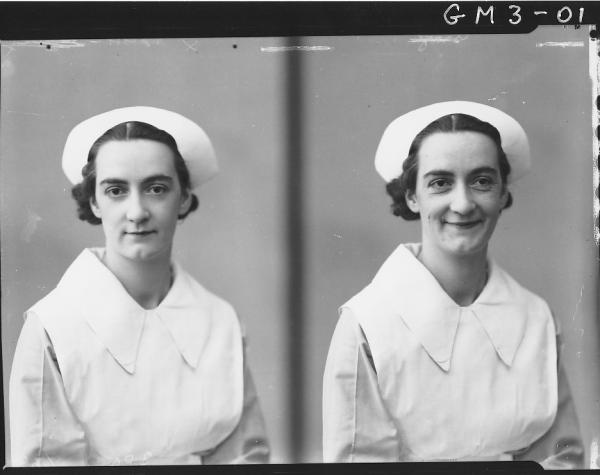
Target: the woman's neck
(148, 282)
(462, 277)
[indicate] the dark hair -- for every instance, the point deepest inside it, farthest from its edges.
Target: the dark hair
(85, 190)
(407, 181)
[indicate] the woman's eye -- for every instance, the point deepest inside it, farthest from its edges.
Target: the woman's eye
(114, 191)
(157, 189)
(439, 184)
(483, 183)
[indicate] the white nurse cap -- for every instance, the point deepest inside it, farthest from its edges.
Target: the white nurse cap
(193, 143)
(399, 135)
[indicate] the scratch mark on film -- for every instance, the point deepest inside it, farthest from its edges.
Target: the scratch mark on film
(438, 39)
(30, 226)
(190, 45)
(34, 114)
(423, 41)
(47, 44)
(283, 49)
(7, 66)
(127, 41)
(560, 44)
(495, 98)
(578, 302)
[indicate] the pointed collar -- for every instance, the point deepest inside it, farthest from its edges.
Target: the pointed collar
(118, 320)
(434, 318)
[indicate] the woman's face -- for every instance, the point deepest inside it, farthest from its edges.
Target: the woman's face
(138, 197)
(459, 192)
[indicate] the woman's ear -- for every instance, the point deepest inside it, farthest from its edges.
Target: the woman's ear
(94, 207)
(411, 201)
(186, 202)
(504, 197)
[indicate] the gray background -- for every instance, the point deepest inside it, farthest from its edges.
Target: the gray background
(236, 244)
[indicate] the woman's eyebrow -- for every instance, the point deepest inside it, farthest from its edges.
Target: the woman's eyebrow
(149, 179)
(475, 171)
(157, 177)
(490, 170)
(438, 173)
(113, 181)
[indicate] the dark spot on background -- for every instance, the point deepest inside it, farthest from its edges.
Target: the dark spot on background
(48, 47)
(234, 46)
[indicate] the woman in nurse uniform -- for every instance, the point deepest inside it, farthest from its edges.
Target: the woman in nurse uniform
(129, 360)
(444, 356)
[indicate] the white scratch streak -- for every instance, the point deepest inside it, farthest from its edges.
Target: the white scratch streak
(423, 41)
(561, 44)
(35, 114)
(495, 98)
(438, 39)
(127, 41)
(281, 49)
(189, 46)
(30, 226)
(578, 302)
(52, 44)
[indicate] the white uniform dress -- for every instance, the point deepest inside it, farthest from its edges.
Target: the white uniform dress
(412, 376)
(99, 380)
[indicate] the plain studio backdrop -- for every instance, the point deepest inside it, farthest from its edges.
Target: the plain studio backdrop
(298, 221)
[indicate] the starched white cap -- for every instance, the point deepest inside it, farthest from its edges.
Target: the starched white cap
(193, 143)
(398, 136)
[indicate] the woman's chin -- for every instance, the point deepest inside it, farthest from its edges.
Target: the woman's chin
(465, 247)
(142, 253)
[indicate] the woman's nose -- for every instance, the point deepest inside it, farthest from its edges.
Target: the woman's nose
(136, 210)
(462, 201)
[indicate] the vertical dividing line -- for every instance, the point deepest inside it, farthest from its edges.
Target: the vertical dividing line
(294, 210)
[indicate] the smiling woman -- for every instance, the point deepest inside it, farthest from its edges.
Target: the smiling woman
(444, 356)
(129, 360)
(459, 193)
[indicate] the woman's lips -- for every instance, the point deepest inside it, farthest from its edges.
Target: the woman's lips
(139, 233)
(463, 224)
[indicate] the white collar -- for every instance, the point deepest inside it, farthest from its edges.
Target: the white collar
(414, 293)
(118, 320)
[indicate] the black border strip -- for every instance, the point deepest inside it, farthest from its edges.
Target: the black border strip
(91, 20)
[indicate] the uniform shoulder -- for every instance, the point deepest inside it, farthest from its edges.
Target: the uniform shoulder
(207, 297)
(55, 304)
(358, 300)
(534, 303)
(370, 307)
